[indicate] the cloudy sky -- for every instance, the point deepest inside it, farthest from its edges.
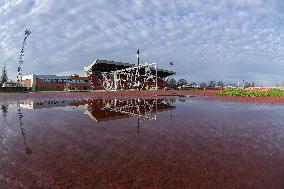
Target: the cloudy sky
(227, 40)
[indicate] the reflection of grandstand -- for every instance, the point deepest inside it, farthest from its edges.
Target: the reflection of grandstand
(110, 109)
(112, 75)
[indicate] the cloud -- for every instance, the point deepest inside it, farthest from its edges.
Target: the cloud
(207, 40)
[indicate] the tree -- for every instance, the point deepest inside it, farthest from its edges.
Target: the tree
(193, 84)
(181, 82)
(171, 82)
(4, 76)
(212, 84)
(220, 84)
(203, 85)
(233, 84)
(249, 84)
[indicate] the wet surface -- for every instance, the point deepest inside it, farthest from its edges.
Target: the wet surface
(140, 143)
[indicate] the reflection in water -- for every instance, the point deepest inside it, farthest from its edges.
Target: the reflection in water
(21, 124)
(205, 145)
(182, 99)
(171, 115)
(51, 104)
(4, 109)
(142, 109)
(110, 109)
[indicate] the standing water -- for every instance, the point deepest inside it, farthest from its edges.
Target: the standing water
(141, 143)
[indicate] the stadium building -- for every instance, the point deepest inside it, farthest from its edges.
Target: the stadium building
(103, 75)
(113, 75)
(54, 82)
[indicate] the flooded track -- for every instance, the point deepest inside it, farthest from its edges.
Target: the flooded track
(141, 143)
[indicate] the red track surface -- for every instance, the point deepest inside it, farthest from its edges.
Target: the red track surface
(212, 95)
(200, 147)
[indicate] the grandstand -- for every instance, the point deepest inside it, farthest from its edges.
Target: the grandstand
(113, 75)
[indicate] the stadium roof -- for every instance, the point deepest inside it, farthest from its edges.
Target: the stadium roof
(108, 66)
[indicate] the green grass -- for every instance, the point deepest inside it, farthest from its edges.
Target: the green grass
(245, 93)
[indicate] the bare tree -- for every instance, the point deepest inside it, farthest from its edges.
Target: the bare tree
(220, 84)
(4, 76)
(203, 84)
(171, 82)
(193, 84)
(181, 82)
(212, 84)
(249, 84)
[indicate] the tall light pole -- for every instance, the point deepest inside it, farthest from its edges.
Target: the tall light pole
(138, 63)
(156, 69)
(21, 62)
(138, 60)
(171, 64)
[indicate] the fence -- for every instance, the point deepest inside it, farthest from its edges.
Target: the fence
(13, 89)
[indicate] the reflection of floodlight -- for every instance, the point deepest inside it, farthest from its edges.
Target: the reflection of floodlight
(28, 151)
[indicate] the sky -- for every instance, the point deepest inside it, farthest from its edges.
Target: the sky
(228, 40)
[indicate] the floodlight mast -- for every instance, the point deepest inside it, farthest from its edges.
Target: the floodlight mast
(138, 58)
(138, 62)
(156, 76)
(21, 62)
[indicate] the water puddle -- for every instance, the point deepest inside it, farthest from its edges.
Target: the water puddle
(157, 143)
